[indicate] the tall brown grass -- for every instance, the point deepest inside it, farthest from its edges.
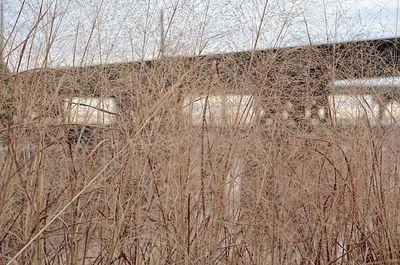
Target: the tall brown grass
(157, 188)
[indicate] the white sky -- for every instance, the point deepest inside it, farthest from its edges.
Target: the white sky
(127, 30)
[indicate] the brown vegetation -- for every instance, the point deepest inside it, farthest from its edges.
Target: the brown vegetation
(155, 188)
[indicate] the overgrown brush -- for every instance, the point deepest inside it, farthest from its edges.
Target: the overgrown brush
(175, 179)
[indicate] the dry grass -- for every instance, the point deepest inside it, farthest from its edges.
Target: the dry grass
(153, 188)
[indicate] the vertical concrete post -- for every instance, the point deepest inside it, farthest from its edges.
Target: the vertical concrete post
(162, 34)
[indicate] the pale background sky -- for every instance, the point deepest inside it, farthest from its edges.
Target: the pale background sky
(126, 30)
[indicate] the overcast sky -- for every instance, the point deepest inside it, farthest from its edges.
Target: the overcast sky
(74, 32)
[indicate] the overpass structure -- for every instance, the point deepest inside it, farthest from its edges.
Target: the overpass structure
(295, 82)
